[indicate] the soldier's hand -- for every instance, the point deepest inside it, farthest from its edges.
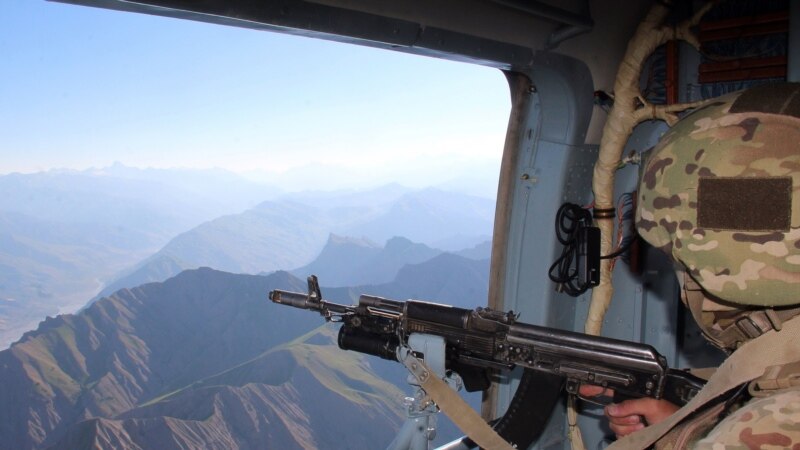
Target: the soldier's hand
(630, 415)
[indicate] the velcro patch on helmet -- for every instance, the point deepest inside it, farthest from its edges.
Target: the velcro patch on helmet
(745, 203)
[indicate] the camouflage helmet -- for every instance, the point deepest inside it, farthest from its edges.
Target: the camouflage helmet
(721, 194)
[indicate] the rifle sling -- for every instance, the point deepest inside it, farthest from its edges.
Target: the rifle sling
(448, 400)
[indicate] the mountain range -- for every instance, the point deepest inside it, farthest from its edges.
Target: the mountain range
(65, 234)
(348, 262)
(69, 236)
(203, 360)
(286, 234)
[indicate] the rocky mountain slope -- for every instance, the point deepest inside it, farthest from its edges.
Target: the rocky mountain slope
(303, 395)
(137, 361)
(205, 361)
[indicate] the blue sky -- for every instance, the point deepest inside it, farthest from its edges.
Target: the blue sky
(83, 87)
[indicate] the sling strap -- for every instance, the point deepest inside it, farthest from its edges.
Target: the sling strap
(773, 348)
(448, 400)
(743, 326)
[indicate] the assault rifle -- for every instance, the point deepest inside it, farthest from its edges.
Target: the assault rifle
(481, 340)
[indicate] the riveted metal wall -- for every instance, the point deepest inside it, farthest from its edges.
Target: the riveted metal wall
(553, 165)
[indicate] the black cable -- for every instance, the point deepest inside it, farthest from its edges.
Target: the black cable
(570, 218)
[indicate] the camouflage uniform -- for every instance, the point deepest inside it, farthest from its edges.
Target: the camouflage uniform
(721, 195)
(769, 422)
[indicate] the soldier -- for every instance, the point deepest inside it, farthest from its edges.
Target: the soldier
(720, 194)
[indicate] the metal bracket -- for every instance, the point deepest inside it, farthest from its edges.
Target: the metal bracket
(419, 429)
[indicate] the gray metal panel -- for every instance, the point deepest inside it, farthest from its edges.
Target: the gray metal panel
(559, 173)
(565, 90)
(550, 155)
(553, 166)
(488, 33)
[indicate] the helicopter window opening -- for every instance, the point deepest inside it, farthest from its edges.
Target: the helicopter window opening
(136, 129)
(187, 94)
(138, 148)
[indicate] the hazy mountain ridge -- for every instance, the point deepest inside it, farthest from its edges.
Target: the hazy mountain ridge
(66, 233)
(271, 236)
(482, 250)
(157, 267)
(158, 202)
(446, 278)
(285, 234)
(47, 265)
(347, 261)
(430, 215)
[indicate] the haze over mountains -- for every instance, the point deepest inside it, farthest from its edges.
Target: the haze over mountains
(349, 261)
(203, 360)
(64, 235)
